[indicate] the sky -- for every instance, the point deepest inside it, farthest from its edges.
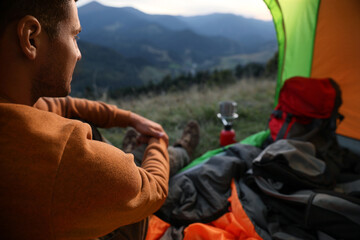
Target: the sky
(247, 8)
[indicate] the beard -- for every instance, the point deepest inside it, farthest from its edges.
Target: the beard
(47, 85)
(44, 88)
(50, 81)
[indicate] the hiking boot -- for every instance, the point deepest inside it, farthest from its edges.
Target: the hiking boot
(130, 140)
(190, 137)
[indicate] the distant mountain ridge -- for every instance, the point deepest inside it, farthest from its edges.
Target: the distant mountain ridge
(251, 33)
(125, 47)
(132, 32)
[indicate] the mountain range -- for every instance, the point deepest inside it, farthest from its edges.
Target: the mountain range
(127, 47)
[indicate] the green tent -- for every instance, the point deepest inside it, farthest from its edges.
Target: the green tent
(322, 39)
(318, 39)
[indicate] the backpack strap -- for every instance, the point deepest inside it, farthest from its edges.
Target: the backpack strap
(335, 115)
(285, 126)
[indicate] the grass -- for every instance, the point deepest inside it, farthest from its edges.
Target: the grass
(173, 110)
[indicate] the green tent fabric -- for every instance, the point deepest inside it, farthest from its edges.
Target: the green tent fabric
(319, 39)
(295, 24)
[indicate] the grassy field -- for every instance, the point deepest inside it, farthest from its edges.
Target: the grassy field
(174, 110)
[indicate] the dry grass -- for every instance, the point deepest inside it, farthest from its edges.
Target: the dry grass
(174, 110)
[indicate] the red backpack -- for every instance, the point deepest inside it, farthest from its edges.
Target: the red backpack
(307, 110)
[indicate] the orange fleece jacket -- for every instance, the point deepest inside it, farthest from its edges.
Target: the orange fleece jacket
(57, 183)
(100, 114)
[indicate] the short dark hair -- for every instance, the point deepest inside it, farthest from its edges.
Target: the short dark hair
(48, 12)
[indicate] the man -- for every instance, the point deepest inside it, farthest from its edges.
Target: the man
(56, 182)
(102, 115)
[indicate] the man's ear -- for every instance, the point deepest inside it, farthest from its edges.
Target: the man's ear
(28, 30)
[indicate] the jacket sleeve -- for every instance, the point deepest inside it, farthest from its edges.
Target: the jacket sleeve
(98, 187)
(98, 113)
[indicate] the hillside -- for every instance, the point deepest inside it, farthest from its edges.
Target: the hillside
(103, 67)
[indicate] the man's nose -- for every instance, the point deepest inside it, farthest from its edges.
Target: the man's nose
(79, 55)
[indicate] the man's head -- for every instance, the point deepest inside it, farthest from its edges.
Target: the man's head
(48, 12)
(38, 45)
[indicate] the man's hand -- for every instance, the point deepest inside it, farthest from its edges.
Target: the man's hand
(147, 128)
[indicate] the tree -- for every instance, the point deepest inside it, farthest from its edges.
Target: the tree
(254, 70)
(239, 70)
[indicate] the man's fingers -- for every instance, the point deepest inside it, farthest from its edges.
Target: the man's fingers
(147, 127)
(160, 134)
(157, 134)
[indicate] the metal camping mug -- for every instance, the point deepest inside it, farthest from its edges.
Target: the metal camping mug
(228, 109)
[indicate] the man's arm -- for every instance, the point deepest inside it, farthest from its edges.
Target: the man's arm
(98, 188)
(101, 115)
(98, 113)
